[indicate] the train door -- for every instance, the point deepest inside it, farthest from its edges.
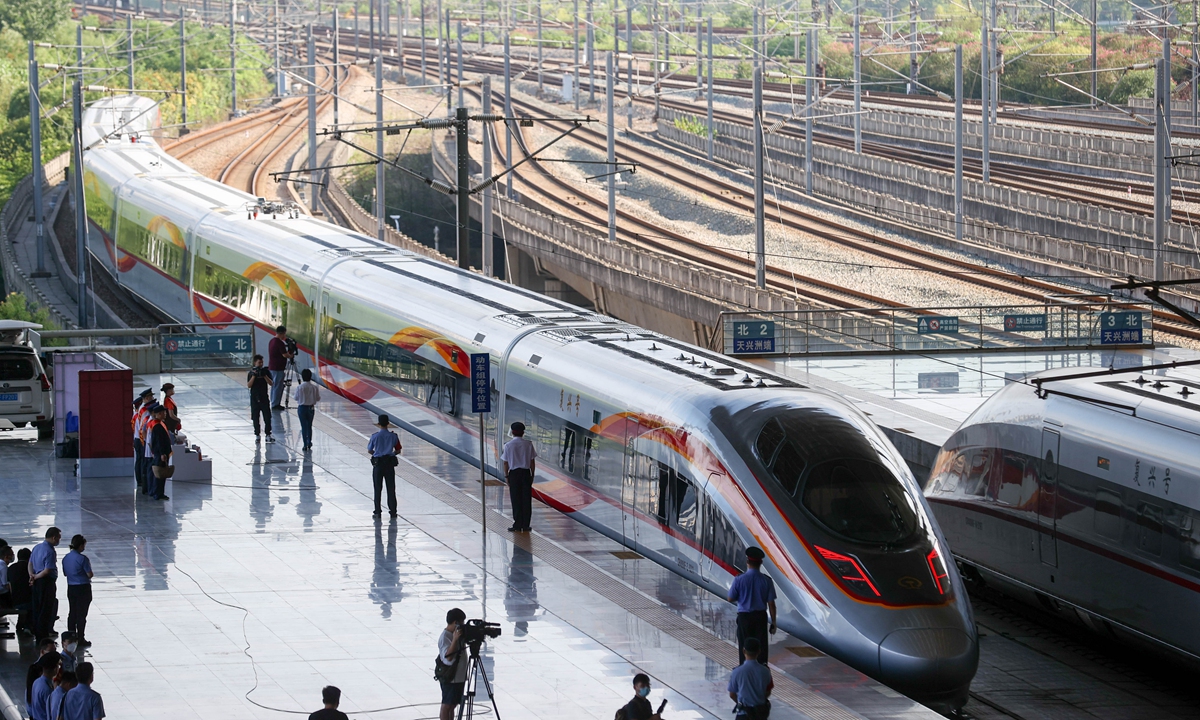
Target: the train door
(629, 482)
(1048, 499)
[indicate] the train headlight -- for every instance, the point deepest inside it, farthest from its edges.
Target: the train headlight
(937, 568)
(849, 572)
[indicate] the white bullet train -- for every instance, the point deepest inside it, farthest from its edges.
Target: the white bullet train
(1084, 498)
(681, 454)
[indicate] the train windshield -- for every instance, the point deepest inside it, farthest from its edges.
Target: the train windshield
(825, 464)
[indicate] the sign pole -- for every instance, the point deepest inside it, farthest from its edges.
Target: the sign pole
(481, 402)
(482, 479)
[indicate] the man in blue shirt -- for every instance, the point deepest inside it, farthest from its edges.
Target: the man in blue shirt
(383, 447)
(43, 576)
(750, 685)
(754, 594)
(43, 688)
(83, 703)
(66, 682)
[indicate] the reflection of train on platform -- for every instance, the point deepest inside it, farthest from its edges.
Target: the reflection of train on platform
(680, 453)
(1084, 500)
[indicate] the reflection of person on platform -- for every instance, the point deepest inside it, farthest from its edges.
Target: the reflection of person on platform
(308, 507)
(520, 594)
(385, 580)
(260, 489)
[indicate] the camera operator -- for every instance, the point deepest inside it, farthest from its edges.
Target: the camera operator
(280, 352)
(450, 653)
(258, 380)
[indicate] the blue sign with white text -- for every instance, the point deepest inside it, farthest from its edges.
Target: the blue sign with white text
(481, 383)
(754, 337)
(1120, 328)
(207, 344)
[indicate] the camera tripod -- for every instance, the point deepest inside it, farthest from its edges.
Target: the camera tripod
(474, 671)
(288, 371)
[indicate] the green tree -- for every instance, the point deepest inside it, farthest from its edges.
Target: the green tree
(33, 19)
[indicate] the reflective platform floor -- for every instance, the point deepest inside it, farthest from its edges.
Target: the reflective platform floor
(243, 597)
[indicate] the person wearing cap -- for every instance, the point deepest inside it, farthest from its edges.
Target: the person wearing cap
(520, 461)
(383, 447)
(168, 402)
(754, 594)
(43, 687)
(140, 414)
(82, 702)
(161, 449)
(750, 685)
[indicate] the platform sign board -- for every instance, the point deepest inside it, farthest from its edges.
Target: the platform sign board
(207, 344)
(937, 325)
(481, 383)
(937, 381)
(1025, 323)
(1120, 328)
(753, 337)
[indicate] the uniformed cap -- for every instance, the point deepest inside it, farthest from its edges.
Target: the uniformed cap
(49, 660)
(518, 428)
(147, 393)
(754, 553)
(384, 421)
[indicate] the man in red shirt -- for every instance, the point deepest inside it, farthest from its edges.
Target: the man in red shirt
(277, 362)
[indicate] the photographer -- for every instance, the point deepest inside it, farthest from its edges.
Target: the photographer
(452, 664)
(280, 352)
(258, 380)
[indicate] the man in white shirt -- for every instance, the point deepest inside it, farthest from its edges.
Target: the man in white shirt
(306, 396)
(519, 460)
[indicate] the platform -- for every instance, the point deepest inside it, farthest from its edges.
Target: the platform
(920, 400)
(243, 597)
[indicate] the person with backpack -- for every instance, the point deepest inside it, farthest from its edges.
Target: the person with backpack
(639, 708)
(451, 668)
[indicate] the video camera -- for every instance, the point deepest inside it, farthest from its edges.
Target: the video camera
(291, 346)
(477, 631)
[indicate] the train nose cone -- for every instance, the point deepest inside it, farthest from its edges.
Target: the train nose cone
(930, 664)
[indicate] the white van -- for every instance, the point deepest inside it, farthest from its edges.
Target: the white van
(26, 396)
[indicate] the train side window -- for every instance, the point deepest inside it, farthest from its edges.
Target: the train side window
(566, 458)
(768, 441)
(686, 505)
(1107, 514)
(1189, 542)
(977, 473)
(1012, 476)
(788, 467)
(1149, 528)
(721, 541)
(588, 444)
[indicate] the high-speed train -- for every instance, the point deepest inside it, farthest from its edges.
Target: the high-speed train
(1084, 498)
(681, 454)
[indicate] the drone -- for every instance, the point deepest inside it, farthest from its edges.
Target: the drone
(274, 208)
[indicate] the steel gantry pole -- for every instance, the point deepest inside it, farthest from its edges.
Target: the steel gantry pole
(312, 118)
(459, 50)
(486, 264)
(994, 60)
(380, 190)
(183, 92)
(912, 48)
(1195, 60)
(129, 38)
(591, 54)
(81, 224)
(760, 245)
(629, 67)
(810, 96)
(463, 157)
(424, 77)
(371, 27)
(35, 137)
(958, 143)
(710, 91)
(858, 76)
(1166, 54)
(655, 74)
(508, 113)
(985, 87)
(233, 55)
(576, 90)
(609, 98)
(279, 84)
(699, 58)
(539, 47)
(1162, 165)
(337, 68)
(1095, 19)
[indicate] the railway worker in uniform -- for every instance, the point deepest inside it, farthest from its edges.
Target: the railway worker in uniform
(750, 685)
(520, 461)
(161, 448)
(168, 402)
(383, 447)
(43, 576)
(277, 362)
(78, 569)
(139, 439)
(754, 594)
